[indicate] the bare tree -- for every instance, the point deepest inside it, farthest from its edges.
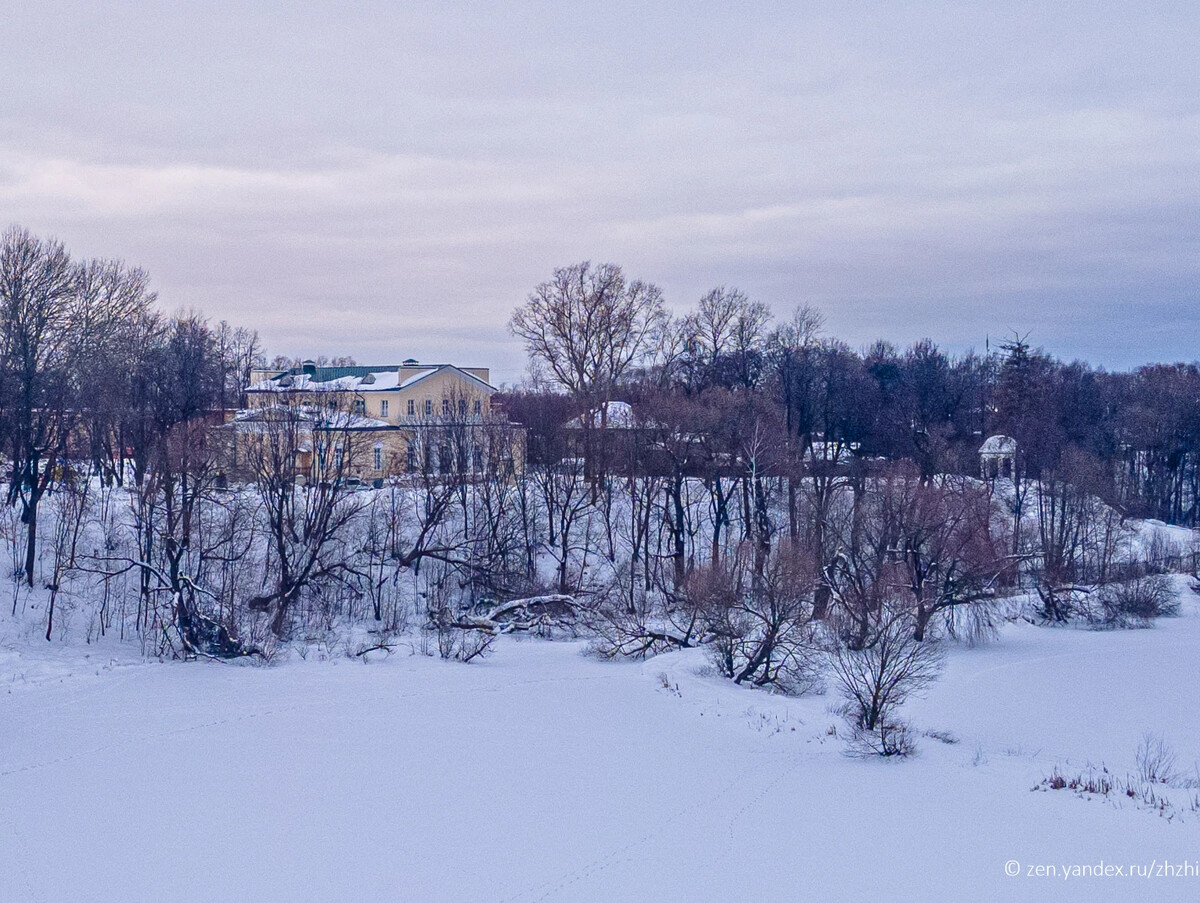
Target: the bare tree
(70, 505)
(377, 566)
(563, 490)
(590, 327)
(1065, 509)
(240, 352)
(37, 307)
(948, 553)
(861, 575)
(793, 355)
(307, 507)
(761, 454)
(761, 631)
(113, 312)
(174, 545)
(878, 678)
(498, 558)
(724, 340)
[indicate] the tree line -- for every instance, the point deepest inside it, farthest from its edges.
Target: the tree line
(713, 479)
(1133, 437)
(811, 512)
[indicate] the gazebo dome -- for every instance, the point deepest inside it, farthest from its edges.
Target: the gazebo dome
(996, 457)
(999, 445)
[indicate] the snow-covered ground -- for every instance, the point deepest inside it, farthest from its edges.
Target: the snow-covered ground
(543, 774)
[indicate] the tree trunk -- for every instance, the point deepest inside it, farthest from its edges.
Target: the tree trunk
(677, 528)
(30, 517)
(793, 516)
(922, 623)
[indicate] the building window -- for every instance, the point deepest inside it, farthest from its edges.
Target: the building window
(445, 407)
(360, 406)
(383, 408)
(478, 407)
(462, 409)
(428, 407)
(379, 455)
(411, 457)
(412, 408)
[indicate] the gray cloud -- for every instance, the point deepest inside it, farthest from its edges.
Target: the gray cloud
(392, 179)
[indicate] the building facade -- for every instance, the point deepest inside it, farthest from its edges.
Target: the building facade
(371, 423)
(394, 394)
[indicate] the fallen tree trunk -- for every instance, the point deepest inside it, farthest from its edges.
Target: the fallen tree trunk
(517, 615)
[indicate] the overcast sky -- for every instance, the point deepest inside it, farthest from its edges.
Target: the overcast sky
(389, 179)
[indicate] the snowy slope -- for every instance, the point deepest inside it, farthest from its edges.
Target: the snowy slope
(542, 774)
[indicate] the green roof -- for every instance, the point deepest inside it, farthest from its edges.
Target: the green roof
(327, 374)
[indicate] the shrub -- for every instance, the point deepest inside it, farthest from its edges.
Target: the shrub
(878, 678)
(1156, 761)
(888, 739)
(1136, 603)
(456, 640)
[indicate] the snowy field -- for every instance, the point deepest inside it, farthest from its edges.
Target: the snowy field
(543, 774)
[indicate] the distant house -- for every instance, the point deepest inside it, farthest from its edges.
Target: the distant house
(410, 392)
(613, 415)
(403, 418)
(616, 437)
(997, 457)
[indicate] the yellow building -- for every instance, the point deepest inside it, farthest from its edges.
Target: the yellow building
(408, 393)
(410, 418)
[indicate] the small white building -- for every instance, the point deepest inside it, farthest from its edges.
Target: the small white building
(997, 457)
(615, 415)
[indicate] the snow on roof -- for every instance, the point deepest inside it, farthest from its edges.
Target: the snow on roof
(998, 445)
(337, 420)
(379, 381)
(312, 416)
(356, 379)
(617, 413)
